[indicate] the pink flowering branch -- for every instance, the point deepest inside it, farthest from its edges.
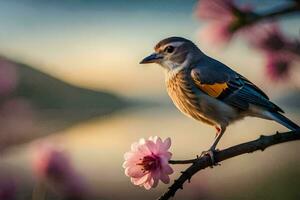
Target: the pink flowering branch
(198, 164)
(226, 19)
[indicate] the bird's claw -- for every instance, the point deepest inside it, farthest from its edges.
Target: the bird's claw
(211, 154)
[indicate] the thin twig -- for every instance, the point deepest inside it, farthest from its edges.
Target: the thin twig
(293, 8)
(175, 162)
(249, 18)
(203, 162)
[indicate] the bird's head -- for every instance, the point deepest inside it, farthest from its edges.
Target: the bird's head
(173, 52)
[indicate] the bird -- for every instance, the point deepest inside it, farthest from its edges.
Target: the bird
(209, 91)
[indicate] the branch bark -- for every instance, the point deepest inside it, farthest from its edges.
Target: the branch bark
(293, 8)
(261, 143)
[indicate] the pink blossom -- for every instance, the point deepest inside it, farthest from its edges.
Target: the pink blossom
(148, 162)
(53, 166)
(269, 38)
(278, 65)
(8, 77)
(224, 18)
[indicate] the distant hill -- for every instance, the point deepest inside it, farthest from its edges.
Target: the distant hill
(47, 92)
(34, 104)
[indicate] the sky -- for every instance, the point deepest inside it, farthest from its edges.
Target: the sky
(98, 44)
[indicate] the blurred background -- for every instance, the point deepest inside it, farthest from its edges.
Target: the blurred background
(73, 95)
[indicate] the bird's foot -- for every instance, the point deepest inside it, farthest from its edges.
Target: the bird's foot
(211, 154)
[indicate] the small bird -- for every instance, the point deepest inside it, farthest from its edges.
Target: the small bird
(209, 91)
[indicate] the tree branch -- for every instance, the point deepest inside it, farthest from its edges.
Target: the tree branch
(203, 162)
(290, 9)
(249, 18)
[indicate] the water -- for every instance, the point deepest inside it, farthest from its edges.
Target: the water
(97, 149)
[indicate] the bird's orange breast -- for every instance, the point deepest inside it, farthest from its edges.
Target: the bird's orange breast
(183, 96)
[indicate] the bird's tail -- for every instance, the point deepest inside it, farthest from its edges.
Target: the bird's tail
(281, 119)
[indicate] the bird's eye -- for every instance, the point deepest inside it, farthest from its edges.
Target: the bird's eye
(169, 49)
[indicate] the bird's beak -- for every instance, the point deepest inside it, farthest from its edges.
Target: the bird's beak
(153, 58)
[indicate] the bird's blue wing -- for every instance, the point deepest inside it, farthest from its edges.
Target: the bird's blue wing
(241, 93)
(221, 82)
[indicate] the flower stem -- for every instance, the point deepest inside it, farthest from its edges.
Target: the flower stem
(175, 162)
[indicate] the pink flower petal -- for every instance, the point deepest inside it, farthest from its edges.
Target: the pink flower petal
(158, 141)
(129, 163)
(165, 178)
(132, 159)
(151, 181)
(147, 186)
(141, 180)
(167, 169)
(153, 148)
(143, 149)
(128, 155)
(142, 141)
(155, 183)
(125, 164)
(167, 143)
(135, 171)
(153, 138)
(164, 160)
(134, 146)
(166, 155)
(156, 176)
